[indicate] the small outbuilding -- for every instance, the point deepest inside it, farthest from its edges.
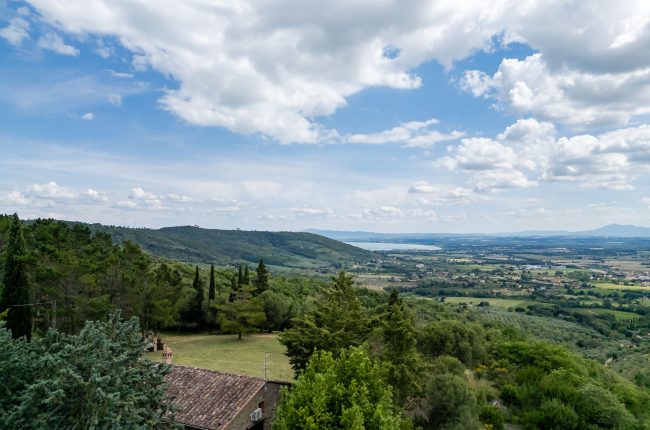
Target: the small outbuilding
(211, 400)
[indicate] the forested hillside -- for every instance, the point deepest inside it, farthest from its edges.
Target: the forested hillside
(198, 245)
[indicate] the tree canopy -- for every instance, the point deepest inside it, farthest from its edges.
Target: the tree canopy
(96, 379)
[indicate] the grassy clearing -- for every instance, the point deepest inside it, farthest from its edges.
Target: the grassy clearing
(612, 286)
(620, 315)
(497, 303)
(226, 353)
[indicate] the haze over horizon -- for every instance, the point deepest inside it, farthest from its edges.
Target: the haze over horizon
(451, 117)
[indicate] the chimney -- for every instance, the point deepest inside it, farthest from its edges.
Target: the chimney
(167, 354)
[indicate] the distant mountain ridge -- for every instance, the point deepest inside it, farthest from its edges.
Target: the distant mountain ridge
(198, 245)
(611, 230)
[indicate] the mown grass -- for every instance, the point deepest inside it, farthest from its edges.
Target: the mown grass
(227, 354)
(498, 303)
(612, 286)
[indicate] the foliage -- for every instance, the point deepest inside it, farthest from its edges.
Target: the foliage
(448, 337)
(15, 294)
(347, 392)
(336, 322)
(262, 277)
(243, 315)
(95, 379)
(551, 387)
(213, 285)
(226, 247)
(397, 349)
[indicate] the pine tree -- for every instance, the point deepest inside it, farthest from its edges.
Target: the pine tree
(399, 352)
(243, 314)
(338, 321)
(262, 279)
(16, 285)
(213, 286)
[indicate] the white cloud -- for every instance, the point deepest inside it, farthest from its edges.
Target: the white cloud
(54, 42)
(322, 212)
(16, 31)
(529, 152)
(51, 190)
(383, 211)
(122, 75)
(50, 194)
(580, 100)
(95, 195)
(441, 194)
(271, 68)
(88, 116)
(411, 134)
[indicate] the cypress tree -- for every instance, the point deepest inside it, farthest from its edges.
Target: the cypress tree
(234, 288)
(198, 301)
(16, 285)
(213, 286)
(240, 276)
(247, 277)
(262, 280)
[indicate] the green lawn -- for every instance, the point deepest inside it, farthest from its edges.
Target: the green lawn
(226, 353)
(497, 303)
(612, 286)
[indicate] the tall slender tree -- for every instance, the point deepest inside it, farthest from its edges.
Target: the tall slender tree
(247, 276)
(15, 294)
(198, 301)
(213, 285)
(262, 279)
(240, 275)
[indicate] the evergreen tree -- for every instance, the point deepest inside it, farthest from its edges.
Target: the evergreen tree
(398, 351)
(338, 321)
(240, 275)
(243, 314)
(213, 286)
(262, 279)
(16, 285)
(94, 379)
(247, 276)
(198, 300)
(234, 288)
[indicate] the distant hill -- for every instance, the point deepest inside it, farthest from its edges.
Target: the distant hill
(199, 245)
(611, 230)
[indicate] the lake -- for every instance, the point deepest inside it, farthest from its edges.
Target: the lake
(385, 246)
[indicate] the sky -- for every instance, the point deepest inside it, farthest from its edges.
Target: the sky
(374, 115)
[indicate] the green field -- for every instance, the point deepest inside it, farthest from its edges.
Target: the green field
(498, 303)
(620, 315)
(612, 286)
(226, 353)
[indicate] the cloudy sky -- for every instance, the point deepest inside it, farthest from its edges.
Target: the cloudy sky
(390, 115)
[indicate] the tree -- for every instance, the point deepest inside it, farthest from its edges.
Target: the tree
(213, 285)
(247, 277)
(15, 294)
(243, 315)
(398, 351)
(240, 275)
(337, 322)
(347, 392)
(262, 278)
(96, 379)
(197, 305)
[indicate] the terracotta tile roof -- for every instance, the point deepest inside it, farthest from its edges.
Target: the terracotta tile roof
(209, 399)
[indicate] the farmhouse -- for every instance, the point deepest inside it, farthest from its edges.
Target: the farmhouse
(210, 400)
